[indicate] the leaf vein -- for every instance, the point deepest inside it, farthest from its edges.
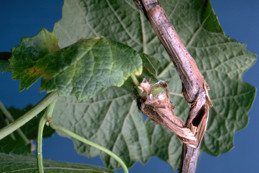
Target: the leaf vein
(65, 32)
(121, 23)
(85, 17)
(132, 6)
(172, 12)
(231, 97)
(198, 30)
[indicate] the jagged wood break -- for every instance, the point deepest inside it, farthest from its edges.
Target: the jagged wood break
(194, 87)
(154, 102)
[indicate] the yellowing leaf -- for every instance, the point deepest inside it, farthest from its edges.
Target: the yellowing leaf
(83, 68)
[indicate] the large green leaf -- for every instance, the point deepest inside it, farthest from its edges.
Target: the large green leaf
(110, 119)
(222, 61)
(83, 68)
(14, 143)
(28, 164)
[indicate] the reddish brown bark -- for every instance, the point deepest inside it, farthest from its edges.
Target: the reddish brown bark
(194, 87)
(158, 108)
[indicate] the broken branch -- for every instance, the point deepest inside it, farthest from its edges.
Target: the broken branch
(154, 102)
(194, 87)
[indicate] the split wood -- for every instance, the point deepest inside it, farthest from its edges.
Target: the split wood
(194, 88)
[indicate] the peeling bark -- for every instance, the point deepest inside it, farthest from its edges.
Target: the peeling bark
(194, 88)
(157, 106)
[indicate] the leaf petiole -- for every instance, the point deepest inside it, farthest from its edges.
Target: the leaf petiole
(28, 116)
(135, 80)
(77, 137)
(42, 123)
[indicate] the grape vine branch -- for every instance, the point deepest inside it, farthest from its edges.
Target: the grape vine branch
(114, 61)
(194, 87)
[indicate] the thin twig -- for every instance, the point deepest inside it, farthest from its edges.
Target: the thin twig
(194, 87)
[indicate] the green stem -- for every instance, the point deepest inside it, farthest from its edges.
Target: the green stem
(27, 116)
(42, 122)
(10, 117)
(50, 109)
(135, 80)
(11, 135)
(77, 137)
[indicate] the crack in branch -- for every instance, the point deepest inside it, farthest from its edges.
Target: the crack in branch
(195, 89)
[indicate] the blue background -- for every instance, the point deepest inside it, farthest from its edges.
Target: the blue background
(238, 18)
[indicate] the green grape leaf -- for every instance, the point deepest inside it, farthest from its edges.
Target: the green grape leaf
(150, 65)
(83, 68)
(14, 143)
(109, 119)
(28, 164)
(25, 55)
(221, 59)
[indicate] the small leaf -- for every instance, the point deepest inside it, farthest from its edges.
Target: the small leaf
(83, 68)
(28, 164)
